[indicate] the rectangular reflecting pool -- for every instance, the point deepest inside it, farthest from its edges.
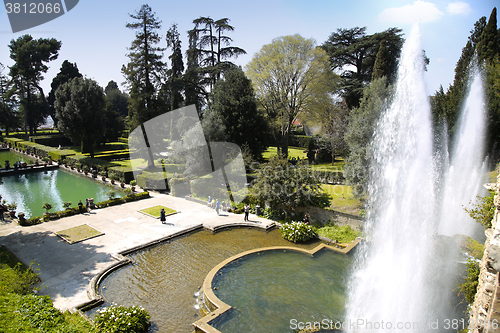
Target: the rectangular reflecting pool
(31, 190)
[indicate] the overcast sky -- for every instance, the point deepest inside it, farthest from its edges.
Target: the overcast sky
(94, 35)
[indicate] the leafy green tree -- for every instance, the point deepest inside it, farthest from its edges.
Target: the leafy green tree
(234, 103)
(67, 72)
(360, 129)
(144, 71)
(30, 57)
(285, 187)
(116, 99)
(289, 75)
(483, 210)
(80, 107)
(8, 104)
(353, 53)
(175, 82)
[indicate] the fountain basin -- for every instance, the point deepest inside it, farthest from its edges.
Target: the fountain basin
(165, 279)
(275, 289)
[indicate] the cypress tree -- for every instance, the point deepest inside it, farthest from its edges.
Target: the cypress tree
(487, 47)
(381, 66)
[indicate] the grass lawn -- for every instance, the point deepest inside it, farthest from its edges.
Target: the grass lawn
(155, 211)
(342, 234)
(78, 233)
(342, 199)
(292, 152)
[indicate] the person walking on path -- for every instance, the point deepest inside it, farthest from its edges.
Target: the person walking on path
(162, 216)
(247, 211)
(217, 206)
(80, 206)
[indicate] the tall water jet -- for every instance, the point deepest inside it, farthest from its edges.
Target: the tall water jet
(390, 281)
(405, 273)
(463, 179)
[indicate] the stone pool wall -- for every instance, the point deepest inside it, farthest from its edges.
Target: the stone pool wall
(485, 311)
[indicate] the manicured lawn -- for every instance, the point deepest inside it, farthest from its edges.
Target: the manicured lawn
(342, 198)
(155, 211)
(292, 152)
(79, 233)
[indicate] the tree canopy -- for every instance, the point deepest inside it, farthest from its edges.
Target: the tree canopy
(353, 53)
(234, 104)
(288, 75)
(80, 108)
(30, 63)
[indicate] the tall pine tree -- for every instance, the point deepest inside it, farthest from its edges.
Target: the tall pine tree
(144, 71)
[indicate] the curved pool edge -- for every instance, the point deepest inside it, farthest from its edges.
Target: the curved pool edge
(220, 308)
(95, 299)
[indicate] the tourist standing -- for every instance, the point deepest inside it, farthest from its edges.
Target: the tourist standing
(87, 205)
(1, 213)
(209, 202)
(247, 211)
(217, 206)
(306, 219)
(162, 216)
(80, 206)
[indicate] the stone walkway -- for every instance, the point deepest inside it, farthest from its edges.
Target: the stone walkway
(66, 270)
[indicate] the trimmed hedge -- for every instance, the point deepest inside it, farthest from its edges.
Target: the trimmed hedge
(153, 180)
(118, 201)
(121, 173)
(206, 186)
(301, 141)
(179, 187)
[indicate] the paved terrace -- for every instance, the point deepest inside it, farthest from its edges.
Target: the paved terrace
(66, 270)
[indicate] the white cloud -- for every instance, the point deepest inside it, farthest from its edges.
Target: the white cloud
(419, 11)
(458, 8)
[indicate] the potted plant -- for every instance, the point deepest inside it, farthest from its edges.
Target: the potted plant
(122, 185)
(103, 178)
(112, 181)
(12, 209)
(47, 206)
(111, 194)
(22, 219)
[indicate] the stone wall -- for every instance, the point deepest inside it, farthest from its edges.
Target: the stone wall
(485, 311)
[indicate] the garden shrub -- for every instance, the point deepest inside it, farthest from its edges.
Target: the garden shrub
(179, 186)
(469, 287)
(342, 234)
(121, 319)
(299, 141)
(18, 279)
(31, 221)
(483, 210)
(40, 313)
(297, 232)
(121, 173)
(155, 180)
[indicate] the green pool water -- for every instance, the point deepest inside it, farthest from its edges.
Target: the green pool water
(166, 280)
(282, 291)
(13, 157)
(31, 190)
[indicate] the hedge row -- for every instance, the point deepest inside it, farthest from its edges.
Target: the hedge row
(153, 180)
(299, 141)
(52, 140)
(76, 210)
(38, 149)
